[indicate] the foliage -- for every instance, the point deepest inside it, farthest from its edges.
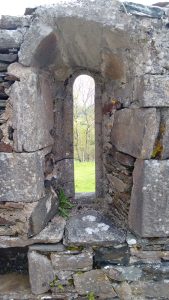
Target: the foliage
(54, 282)
(84, 177)
(91, 296)
(157, 150)
(84, 127)
(64, 204)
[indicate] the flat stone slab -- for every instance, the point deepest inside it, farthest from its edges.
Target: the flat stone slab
(94, 281)
(21, 177)
(52, 234)
(92, 228)
(63, 262)
(149, 208)
(135, 131)
(10, 38)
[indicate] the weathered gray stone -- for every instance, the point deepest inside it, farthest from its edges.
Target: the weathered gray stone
(155, 91)
(82, 261)
(22, 178)
(92, 228)
(94, 281)
(124, 291)
(10, 38)
(40, 35)
(135, 131)
(148, 214)
(157, 290)
(40, 272)
(32, 109)
(122, 273)
(8, 57)
(48, 248)
(3, 66)
(53, 233)
(44, 211)
(117, 184)
(13, 22)
(111, 255)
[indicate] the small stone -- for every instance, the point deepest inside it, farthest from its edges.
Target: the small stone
(123, 291)
(44, 211)
(10, 39)
(3, 67)
(82, 261)
(111, 255)
(7, 148)
(8, 57)
(122, 273)
(40, 273)
(95, 282)
(92, 228)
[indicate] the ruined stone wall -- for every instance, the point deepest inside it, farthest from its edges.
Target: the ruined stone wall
(90, 252)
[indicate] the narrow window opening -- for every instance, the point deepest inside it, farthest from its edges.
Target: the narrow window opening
(84, 135)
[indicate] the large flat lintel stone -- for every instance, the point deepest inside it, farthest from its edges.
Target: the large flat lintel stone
(21, 177)
(135, 131)
(32, 102)
(149, 208)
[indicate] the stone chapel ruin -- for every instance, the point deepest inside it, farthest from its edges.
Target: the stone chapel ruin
(115, 246)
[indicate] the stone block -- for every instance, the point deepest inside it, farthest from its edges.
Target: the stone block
(22, 178)
(53, 233)
(10, 38)
(154, 91)
(82, 261)
(40, 272)
(32, 102)
(92, 228)
(135, 131)
(33, 49)
(13, 22)
(157, 290)
(149, 214)
(94, 281)
(8, 57)
(111, 255)
(123, 273)
(45, 210)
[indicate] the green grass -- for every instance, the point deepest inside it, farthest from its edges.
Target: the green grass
(84, 177)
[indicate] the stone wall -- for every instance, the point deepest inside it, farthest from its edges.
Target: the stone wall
(91, 253)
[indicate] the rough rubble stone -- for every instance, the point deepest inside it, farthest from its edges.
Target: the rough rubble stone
(123, 273)
(48, 248)
(3, 67)
(111, 255)
(10, 38)
(82, 261)
(22, 178)
(94, 281)
(13, 22)
(32, 102)
(135, 131)
(53, 233)
(10, 57)
(92, 228)
(40, 272)
(148, 215)
(157, 290)
(45, 210)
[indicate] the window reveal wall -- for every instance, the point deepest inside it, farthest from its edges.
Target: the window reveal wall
(44, 93)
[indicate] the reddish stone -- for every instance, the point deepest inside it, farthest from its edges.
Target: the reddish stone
(5, 147)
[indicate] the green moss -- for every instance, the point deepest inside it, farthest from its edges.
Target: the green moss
(54, 282)
(157, 150)
(75, 248)
(71, 282)
(91, 296)
(60, 287)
